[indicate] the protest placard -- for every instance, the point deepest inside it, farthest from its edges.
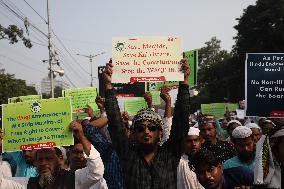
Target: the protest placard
(217, 109)
(132, 106)
(146, 59)
(265, 84)
(27, 98)
(81, 98)
(136, 89)
(192, 59)
(36, 124)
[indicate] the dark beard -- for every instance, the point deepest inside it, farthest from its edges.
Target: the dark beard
(146, 148)
(46, 180)
(246, 157)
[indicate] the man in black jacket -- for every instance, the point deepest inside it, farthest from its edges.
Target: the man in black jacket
(146, 164)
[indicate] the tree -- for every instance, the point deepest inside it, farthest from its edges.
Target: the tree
(261, 28)
(57, 93)
(12, 87)
(14, 34)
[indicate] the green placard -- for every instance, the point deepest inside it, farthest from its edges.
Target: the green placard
(133, 106)
(217, 109)
(81, 98)
(27, 98)
(192, 58)
(156, 97)
(37, 124)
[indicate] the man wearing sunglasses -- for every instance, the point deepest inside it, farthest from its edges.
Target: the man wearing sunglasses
(146, 164)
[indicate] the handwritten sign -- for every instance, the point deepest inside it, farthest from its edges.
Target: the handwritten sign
(265, 84)
(132, 106)
(27, 98)
(146, 59)
(81, 98)
(44, 123)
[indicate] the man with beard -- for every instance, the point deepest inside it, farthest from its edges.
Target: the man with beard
(221, 149)
(186, 178)
(146, 164)
(245, 147)
(51, 176)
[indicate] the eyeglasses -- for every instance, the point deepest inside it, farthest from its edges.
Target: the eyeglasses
(141, 128)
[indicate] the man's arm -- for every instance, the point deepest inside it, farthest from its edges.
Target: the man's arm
(93, 172)
(180, 124)
(116, 127)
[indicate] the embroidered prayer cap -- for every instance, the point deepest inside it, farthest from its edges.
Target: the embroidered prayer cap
(147, 115)
(193, 131)
(241, 132)
(234, 121)
(204, 119)
(252, 125)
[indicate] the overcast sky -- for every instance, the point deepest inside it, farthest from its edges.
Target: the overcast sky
(87, 27)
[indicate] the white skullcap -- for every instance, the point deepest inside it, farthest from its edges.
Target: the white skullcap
(241, 132)
(234, 121)
(269, 121)
(193, 131)
(278, 133)
(88, 118)
(252, 125)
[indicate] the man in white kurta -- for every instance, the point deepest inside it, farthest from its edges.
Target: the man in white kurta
(186, 178)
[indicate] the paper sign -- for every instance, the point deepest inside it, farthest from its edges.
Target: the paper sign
(156, 100)
(265, 84)
(217, 109)
(27, 98)
(192, 59)
(132, 106)
(81, 98)
(38, 124)
(145, 59)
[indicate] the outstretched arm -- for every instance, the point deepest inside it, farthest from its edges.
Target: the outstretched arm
(180, 124)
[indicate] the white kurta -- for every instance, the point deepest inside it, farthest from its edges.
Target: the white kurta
(85, 178)
(186, 178)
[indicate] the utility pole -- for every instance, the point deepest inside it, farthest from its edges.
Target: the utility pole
(91, 61)
(50, 50)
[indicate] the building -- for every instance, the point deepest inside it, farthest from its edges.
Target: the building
(46, 85)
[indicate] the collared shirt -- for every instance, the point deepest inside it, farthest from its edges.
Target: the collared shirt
(186, 178)
(222, 150)
(161, 172)
(236, 162)
(113, 170)
(84, 178)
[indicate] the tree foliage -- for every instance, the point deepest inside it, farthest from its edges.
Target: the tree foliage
(14, 34)
(12, 87)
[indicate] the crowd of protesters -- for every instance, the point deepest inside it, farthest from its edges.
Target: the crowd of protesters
(152, 151)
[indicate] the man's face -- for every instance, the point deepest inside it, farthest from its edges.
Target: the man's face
(245, 148)
(266, 127)
(210, 177)
(191, 144)
(47, 162)
(231, 127)
(30, 156)
(208, 132)
(146, 132)
(256, 134)
(76, 157)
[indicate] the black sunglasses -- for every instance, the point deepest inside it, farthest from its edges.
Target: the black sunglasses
(141, 128)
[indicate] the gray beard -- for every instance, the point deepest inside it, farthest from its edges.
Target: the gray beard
(46, 180)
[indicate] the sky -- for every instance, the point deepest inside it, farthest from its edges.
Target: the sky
(88, 26)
